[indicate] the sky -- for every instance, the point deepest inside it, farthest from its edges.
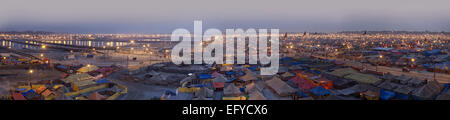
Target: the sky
(164, 16)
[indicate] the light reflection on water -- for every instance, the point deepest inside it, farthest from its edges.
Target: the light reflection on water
(36, 45)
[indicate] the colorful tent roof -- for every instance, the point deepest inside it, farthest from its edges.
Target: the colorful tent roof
(302, 83)
(256, 95)
(77, 77)
(18, 96)
(88, 68)
(203, 93)
(220, 78)
(216, 74)
(386, 95)
(231, 90)
(280, 87)
(248, 76)
(205, 76)
(253, 87)
(319, 91)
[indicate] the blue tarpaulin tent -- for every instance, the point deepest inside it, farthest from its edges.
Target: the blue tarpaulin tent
(286, 59)
(253, 68)
(242, 89)
(319, 91)
(230, 73)
(386, 95)
(61, 67)
(102, 81)
(169, 92)
(302, 94)
(240, 73)
(295, 63)
(196, 85)
(205, 76)
(231, 79)
(315, 71)
(29, 91)
(432, 52)
(401, 96)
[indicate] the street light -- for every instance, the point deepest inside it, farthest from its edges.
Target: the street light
(381, 57)
(29, 77)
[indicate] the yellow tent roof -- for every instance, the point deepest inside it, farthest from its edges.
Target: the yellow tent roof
(88, 68)
(77, 77)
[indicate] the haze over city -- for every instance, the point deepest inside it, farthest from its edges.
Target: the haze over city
(163, 16)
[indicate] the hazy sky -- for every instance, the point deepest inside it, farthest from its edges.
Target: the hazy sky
(163, 16)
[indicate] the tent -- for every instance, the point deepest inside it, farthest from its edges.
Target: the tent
(219, 81)
(46, 93)
(205, 76)
(343, 71)
(104, 70)
(88, 68)
(215, 74)
(253, 87)
(204, 94)
(283, 69)
(386, 95)
(96, 96)
(61, 67)
(77, 77)
(41, 89)
(280, 87)
(319, 91)
(287, 75)
(301, 94)
(256, 95)
(363, 78)
(432, 52)
(18, 96)
(226, 68)
(249, 76)
(302, 83)
(231, 90)
(253, 68)
(428, 91)
(230, 73)
(30, 94)
(102, 81)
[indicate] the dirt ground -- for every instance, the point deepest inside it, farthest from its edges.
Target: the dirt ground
(13, 76)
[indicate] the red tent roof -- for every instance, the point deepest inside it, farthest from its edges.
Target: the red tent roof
(302, 83)
(18, 96)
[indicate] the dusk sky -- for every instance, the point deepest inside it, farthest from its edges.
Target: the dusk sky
(163, 16)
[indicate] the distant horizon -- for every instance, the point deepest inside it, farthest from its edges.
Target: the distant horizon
(397, 31)
(164, 16)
